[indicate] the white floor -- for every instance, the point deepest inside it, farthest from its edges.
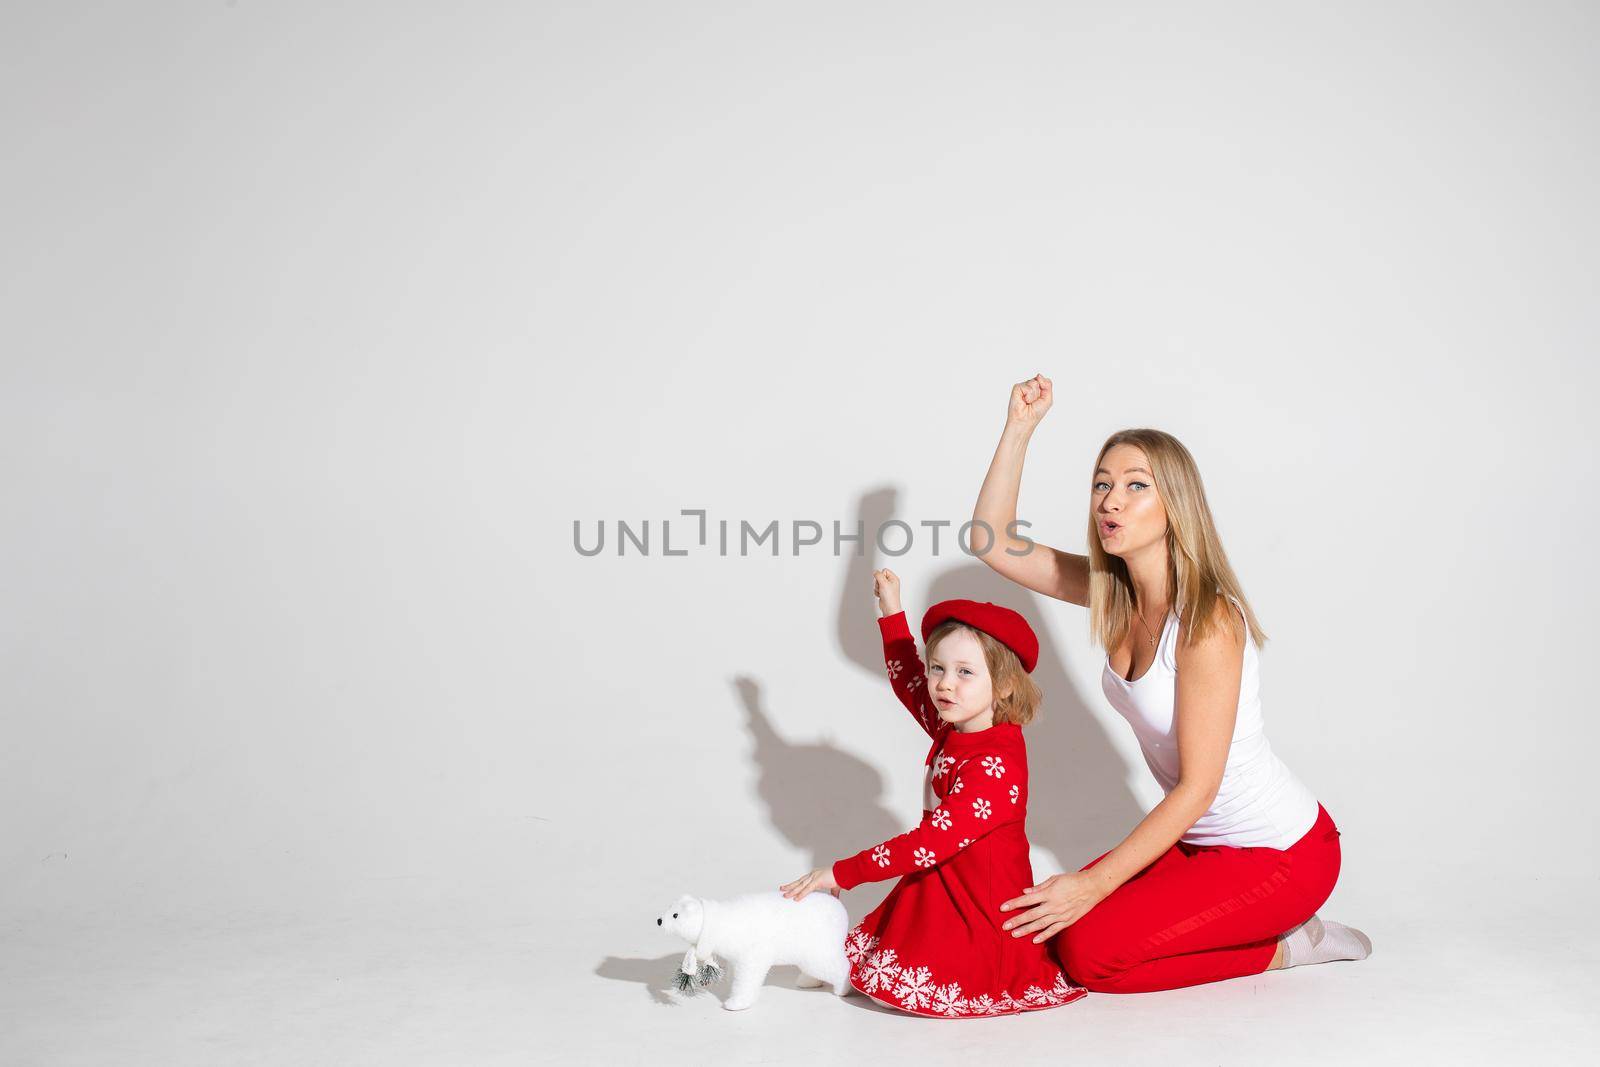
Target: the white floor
(482, 984)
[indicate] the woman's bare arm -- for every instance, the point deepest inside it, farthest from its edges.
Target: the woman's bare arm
(1205, 710)
(1207, 701)
(1063, 575)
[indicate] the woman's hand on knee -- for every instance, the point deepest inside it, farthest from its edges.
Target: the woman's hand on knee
(1054, 904)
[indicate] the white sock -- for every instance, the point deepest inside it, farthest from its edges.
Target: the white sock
(1319, 941)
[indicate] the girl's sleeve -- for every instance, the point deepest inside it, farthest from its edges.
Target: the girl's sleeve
(983, 796)
(907, 675)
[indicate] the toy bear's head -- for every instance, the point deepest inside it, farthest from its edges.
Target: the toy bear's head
(685, 917)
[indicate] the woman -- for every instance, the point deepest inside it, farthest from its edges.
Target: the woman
(1223, 878)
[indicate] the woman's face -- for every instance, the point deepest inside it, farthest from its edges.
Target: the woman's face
(958, 681)
(1128, 512)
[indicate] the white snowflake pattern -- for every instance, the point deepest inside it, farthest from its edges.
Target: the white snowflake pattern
(947, 1000)
(1062, 987)
(965, 841)
(1015, 791)
(956, 787)
(878, 970)
(916, 987)
(857, 945)
(881, 854)
(993, 766)
(924, 857)
(941, 819)
(980, 808)
(941, 765)
(894, 668)
(915, 681)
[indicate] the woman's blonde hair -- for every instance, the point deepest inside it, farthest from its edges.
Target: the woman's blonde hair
(1198, 573)
(1021, 694)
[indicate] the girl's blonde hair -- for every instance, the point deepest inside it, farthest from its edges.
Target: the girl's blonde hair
(1198, 573)
(1022, 695)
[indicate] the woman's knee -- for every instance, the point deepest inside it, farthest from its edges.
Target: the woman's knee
(1090, 953)
(1095, 971)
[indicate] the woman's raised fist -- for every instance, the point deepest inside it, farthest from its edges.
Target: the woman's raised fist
(1029, 401)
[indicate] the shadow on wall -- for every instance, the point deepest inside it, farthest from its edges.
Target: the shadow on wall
(830, 803)
(820, 797)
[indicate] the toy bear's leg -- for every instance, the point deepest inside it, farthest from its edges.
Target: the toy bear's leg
(830, 969)
(837, 974)
(748, 975)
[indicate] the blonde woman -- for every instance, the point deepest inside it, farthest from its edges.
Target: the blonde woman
(1224, 876)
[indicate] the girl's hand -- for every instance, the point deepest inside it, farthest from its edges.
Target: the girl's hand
(821, 878)
(1057, 903)
(1029, 401)
(886, 587)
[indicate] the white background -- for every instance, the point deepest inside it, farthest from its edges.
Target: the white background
(323, 324)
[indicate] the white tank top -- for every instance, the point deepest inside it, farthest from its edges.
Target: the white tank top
(1260, 803)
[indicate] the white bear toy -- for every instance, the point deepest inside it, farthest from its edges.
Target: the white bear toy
(757, 932)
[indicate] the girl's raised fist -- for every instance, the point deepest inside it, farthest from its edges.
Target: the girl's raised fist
(886, 587)
(885, 582)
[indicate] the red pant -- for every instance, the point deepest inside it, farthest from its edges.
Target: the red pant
(1200, 913)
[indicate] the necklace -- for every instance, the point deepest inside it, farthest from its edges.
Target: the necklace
(1147, 629)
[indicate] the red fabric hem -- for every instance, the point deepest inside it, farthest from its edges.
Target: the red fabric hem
(865, 953)
(1025, 1007)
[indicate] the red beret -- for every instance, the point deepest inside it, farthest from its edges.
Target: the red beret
(1002, 624)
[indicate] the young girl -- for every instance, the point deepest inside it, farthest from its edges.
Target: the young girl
(935, 945)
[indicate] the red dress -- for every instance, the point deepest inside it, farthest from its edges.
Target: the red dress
(935, 946)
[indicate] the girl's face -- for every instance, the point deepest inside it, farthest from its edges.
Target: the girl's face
(1128, 512)
(959, 683)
